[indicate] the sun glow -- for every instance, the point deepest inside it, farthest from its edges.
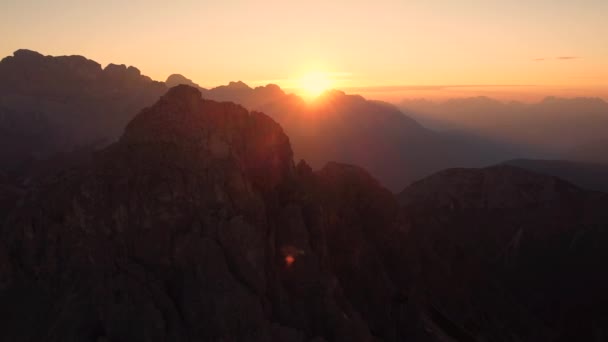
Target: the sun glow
(312, 84)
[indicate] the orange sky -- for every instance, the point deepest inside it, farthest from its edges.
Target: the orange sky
(383, 49)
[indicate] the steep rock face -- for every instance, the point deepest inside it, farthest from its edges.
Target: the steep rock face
(362, 235)
(192, 227)
(55, 104)
(504, 254)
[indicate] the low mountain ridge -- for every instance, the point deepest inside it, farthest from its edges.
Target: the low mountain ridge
(504, 254)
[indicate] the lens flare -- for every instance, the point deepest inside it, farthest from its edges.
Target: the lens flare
(289, 260)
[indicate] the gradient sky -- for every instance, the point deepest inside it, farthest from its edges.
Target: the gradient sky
(380, 47)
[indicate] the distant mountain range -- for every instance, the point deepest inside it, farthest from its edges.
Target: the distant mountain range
(350, 129)
(55, 104)
(555, 128)
(61, 104)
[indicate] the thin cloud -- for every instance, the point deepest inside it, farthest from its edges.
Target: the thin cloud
(566, 58)
(539, 59)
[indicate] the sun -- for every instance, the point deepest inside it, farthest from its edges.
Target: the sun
(312, 84)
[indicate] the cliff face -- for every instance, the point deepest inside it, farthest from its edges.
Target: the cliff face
(193, 226)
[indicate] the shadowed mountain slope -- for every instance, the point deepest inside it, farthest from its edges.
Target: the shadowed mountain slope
(504, 254)
(196, 225)
(55, 104)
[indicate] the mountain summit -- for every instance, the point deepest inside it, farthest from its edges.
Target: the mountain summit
(195, 225)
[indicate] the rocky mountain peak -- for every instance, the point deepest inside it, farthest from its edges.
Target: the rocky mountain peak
(222, 130)
(25, 53)
(122, 73)
(207, 199)
(58, 104)
(238, 85)
(28, 69)
(177, 79)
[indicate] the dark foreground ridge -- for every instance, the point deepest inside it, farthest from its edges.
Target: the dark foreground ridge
(194, 226)
(197, 226)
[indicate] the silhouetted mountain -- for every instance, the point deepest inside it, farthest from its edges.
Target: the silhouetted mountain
(503, 254)
(58, 104)
(54, 104)
(194, 226)
(197, 225)
(376, 135)
(585, 175)
(242, 94)
(177, 79)
(546, 129)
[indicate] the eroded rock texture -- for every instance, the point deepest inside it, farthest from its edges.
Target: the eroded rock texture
(192, 227)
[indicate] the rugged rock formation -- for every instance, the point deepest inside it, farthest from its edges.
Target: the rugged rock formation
(55, 104)
(193, 226)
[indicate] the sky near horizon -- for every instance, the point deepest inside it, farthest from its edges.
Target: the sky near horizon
(510, 49)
